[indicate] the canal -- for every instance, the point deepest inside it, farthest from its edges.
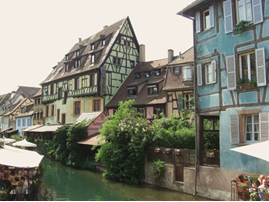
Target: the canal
(63, 183)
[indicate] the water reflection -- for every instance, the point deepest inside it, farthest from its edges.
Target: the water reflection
(62, 183)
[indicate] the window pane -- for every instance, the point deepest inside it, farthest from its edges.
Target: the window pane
(206, 20)
(256, 118)
(244, 65)
(240, 13)
(249, 128)
(248, 136)
(256, 128)
(240, 2)
(249, 120)
(256, 136)
(248, 12)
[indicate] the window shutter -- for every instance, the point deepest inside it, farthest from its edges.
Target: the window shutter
(199, 75)
(211, 15)
(73, 84)
(88, 80)
(80, 82)
(44, 111)
(264, 125)
(49, 90)
(214, 74)
(260, 67)
(95, 79)
(228, 16)
(234, 129)
(101, 105)
(71, 107)
(231, 74)
(197, 22)
(90, 106)
(180, 102)
(257, 11)
(82, 106)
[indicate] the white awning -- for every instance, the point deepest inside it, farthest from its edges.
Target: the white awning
(11, 156)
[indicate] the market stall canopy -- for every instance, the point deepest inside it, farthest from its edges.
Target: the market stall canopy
(11, 156)
(31, 128)
(24, 143)
(257, 150)
(7, 140)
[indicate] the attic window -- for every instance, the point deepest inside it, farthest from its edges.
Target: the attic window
(157, 72)
(132, 91)
(67, 57)
(92, 59)
(147, 74)
(92, 46)
(137, 75)
(77, 53)
(152, 89)
(176, 70)
(103, 42)
(66, 67)
(131, 63)
(77, 63)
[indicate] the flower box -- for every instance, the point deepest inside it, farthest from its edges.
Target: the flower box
(177, 152)
(167, 151)
(210, 154)
(157, 150)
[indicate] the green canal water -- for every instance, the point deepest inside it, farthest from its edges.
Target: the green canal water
(63, 183)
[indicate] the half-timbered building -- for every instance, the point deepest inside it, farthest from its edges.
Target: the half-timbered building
(90, 73)
(231, 59)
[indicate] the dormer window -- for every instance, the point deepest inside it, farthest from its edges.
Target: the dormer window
(157, 72)
(116, 61)
(153, 89)
(77, 63)
(67, 57)
(92, 46)
(176, 70)
(131, 63)
(137, 75)
(132, 91)
(92, 59)
(147, 74)
(77, 53)
(66, 68)
(103, 42)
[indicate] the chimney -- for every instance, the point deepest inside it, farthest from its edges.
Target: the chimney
(142, 53)
(170, 55)
(179, 54)
(79, 40)
(106, 26)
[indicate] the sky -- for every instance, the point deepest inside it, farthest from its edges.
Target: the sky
(36, 35)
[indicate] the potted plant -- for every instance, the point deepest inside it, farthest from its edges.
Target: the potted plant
(210, 153)
(241, 83)
(177, 152)
(167, 151)
(253, 83)
(241, 26)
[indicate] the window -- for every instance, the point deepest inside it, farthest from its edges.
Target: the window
(58, 115)
(92, 80)
(77, 107)
(92, 59)
(92, 46)
(169, 97)
(52, 89)
(157, 72)
(52, 110)
(103, 42)
(157, 111)
(60, 92)
(97, 105)
(116, 60)
(204, 19)
(131, 63)
(252, 128)
(152, 90)
(23, 122)
(76, 83)
(66, 67)
(67, 57)
(208, 73)
(137, 75)
(19, 122)
(77, 63)
(142, 111)
(177, 70)
(247, 64)
(28, 122)
(77, 53)
(131, 91)
(47, 111)
(147, 74)
(188, 103)
(244, 10)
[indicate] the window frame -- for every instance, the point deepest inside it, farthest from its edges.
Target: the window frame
(151, 89)
(92, 80)
(133, 89)
(253, 132)
(77, 107)
(187, 103)
(76, 83)
(147, 74)
(240, 68)
(244, 11)
(97, 105)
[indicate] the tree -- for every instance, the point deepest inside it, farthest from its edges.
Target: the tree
(126, 136)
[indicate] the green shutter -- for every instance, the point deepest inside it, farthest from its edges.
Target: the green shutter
(180, 102)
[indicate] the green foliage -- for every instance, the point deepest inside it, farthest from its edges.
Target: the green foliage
(76, 133)
(88, 164)
(16, 137)
(158, 169)
(30, 139)
(126, 136)
(240, 27)
(173, 132)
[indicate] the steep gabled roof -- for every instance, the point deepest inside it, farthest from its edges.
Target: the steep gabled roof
(38, 93)
(27, 91)
(4, 97)
(16, 107)
(188, 10)
(142, 97)
(175, 81)
(110, 33)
